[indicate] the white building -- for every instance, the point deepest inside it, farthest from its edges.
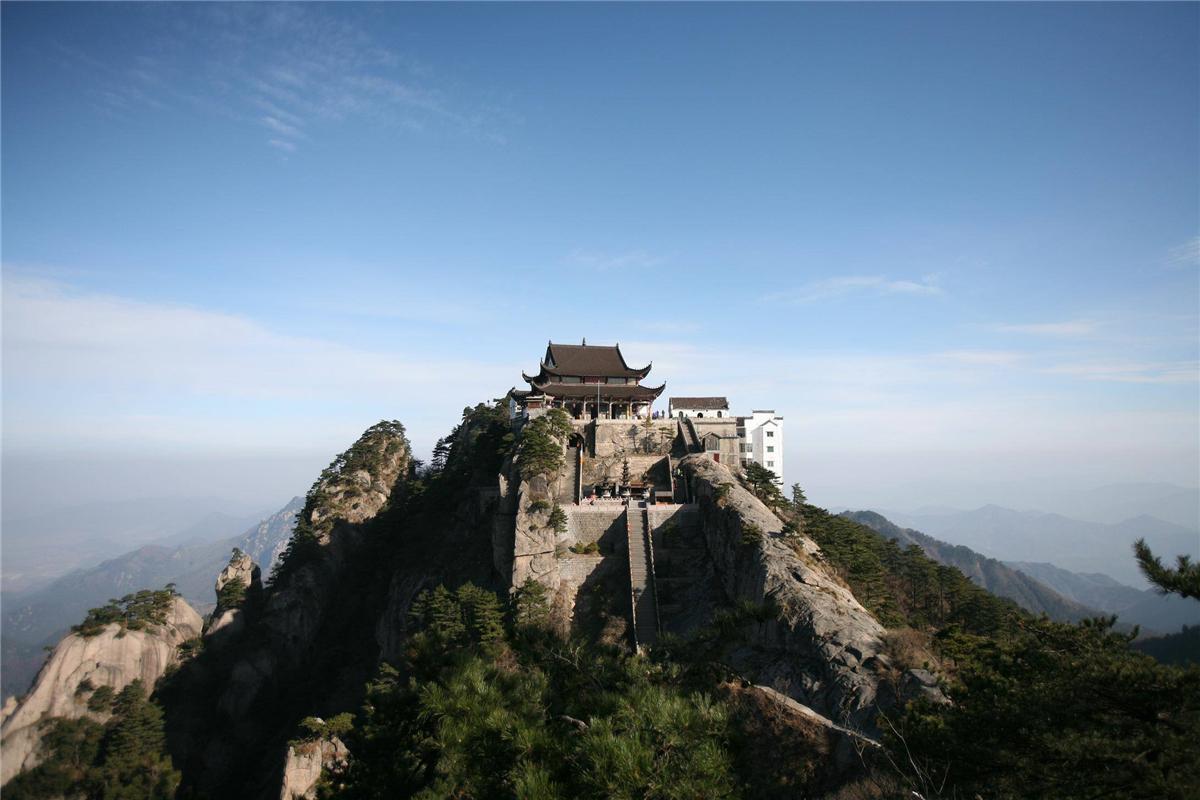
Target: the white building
(699, 407)
(760, 435)
(761, 440)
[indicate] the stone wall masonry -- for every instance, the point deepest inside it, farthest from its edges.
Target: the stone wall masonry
(590, 523)
(611, 437)
(575, 568)
(595, 469)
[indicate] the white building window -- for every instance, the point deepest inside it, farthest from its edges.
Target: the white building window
(770, 449)
(770, 463)
(770, 434)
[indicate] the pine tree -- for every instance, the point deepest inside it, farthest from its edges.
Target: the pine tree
(1183, 580)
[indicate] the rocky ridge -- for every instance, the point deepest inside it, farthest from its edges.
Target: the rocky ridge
(114, 657)
(822, 648)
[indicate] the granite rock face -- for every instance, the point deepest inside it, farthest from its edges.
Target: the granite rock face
(822, 648)
(241, 570)
(305, 764)
(115, 657)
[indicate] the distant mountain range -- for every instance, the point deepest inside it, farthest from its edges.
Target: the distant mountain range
(35, 619)
(1071, 544)
(999, 579)
(42, 547)
(1122, 501)
(1045, 588)
(1144, 607)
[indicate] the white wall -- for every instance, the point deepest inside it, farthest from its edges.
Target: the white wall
(701, 412)
(763, 440)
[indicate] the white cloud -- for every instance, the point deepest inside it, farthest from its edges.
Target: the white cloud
(1070, 328)
(282, 144)
(282, 128)
(854, 284)
(84, 368)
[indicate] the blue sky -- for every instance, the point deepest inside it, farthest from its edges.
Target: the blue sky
(955, 245)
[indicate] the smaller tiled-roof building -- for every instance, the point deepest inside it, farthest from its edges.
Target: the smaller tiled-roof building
(699, 407)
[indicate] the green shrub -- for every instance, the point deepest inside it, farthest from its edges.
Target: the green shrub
(231, 595)
(314, 728)
(751, 534)
(538, 506)
(721, 495)
(101, 699)
(531, 605)
(589, 548)
(558, 519)
(540, 448)
(191, 648)
(132, 612)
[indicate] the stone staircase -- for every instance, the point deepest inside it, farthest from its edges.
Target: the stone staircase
(643, 598)
(568, 486)
(691, 440)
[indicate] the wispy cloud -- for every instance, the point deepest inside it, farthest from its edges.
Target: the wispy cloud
(629, 259)
(1068, 328)
(989, 358)
(1187, 253)
(856, 284)
(288, 70)
(1131, 371)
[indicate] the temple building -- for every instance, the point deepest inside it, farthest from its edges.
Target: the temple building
(588, 382)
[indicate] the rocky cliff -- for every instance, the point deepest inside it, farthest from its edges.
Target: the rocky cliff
(245, 684)
(822, 647)
(113, 656)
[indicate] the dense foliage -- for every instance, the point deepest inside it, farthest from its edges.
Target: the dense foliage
(901, 586)
(495, 706)
(1176, 648)
(133, 612)
(121, 760)
(763, 484)
(1063, 711)
(540, 447)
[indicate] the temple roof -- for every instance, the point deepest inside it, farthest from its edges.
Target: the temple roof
(629, 391)
(589, 360)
